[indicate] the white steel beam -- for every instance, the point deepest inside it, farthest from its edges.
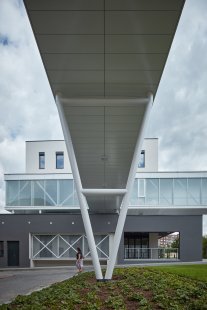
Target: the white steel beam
(81, 197)
(129, 187)
(104, 101)
(104, 191)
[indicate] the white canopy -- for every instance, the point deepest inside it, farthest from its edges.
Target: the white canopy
(104, 50)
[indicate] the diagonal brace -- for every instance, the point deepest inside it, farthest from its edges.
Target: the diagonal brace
(126, 198)
(81, 197)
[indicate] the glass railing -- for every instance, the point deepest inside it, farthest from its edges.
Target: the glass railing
(169, 192)
(151, 253)
(41, 193)
(162, 192)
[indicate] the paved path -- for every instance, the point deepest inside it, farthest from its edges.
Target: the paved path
(25, 281)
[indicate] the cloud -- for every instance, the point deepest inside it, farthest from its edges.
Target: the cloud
(179, 114)
(26, 97)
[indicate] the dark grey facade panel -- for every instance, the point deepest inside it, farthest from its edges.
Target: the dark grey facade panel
(17, 227)
(189, 228)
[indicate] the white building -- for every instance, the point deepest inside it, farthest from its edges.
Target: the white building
(45, 225)
(104, 61)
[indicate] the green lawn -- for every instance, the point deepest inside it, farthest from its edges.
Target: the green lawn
(131, 288)
(198, 272)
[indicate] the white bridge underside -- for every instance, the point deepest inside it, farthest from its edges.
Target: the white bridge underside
(102, 58)
(104, 134)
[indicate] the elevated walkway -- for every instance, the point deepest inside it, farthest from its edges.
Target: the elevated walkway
(104, 61)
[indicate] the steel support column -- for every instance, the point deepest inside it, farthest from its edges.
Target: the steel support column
(81, 197)
(129, 186)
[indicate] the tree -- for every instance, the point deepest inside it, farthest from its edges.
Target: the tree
(176, 243)
(205, 246)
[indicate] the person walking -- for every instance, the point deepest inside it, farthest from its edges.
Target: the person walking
(79, 260)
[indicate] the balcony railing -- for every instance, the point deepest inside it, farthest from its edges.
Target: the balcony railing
(151, 253)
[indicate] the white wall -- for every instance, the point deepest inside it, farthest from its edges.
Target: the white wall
(150, 146)
(50, 148)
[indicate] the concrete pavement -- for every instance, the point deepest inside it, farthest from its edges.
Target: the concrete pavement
(25, 281)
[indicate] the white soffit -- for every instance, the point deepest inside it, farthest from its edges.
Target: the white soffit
(104, 49)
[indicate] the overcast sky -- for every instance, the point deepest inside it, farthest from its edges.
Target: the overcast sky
(178, 118)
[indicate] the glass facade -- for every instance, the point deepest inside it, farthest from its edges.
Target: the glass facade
(134, 241)
(169, 192)
(180, 192)
(204, 191)
(166, 192)
(41, 193)
(152, 191)
(146, 192)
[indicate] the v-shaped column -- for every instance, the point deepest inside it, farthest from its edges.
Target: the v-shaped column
(81, 197)
(115, 106)
(129, 186)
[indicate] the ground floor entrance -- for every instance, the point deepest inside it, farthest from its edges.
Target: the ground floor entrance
(149, 245)
(29, 240)
(13, 253)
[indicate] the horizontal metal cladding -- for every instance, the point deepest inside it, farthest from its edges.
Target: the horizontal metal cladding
(104, 48)
(103, 140)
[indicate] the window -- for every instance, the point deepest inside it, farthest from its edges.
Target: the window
(136, 245)
(152, 192)
(166, 192)
(142, 160)
(180, 192)
(59, 160)
(194, 191)
(41, 160)
(1, 248)
(141, 187)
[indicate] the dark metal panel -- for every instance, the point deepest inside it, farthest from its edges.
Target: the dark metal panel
(141, 22)
(65, 5)
(18, 227)
(147, 5)
(189, 227)
(74, 61)
(67, 22)
(70, 44)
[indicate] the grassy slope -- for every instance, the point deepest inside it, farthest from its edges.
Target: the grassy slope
(132, 288)
(198, 272)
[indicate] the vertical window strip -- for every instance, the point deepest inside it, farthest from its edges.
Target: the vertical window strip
(141, 163)
(59, 160)
(41, 160)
